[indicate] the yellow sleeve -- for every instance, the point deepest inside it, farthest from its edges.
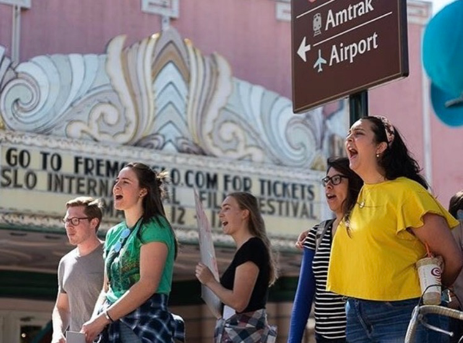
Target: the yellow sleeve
(418, 202)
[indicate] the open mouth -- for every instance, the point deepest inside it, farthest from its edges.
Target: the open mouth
(351, 152)
(330, 196)
(118, 196)
(224, 223)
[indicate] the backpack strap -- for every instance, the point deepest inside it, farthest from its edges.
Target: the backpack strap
(321, 231)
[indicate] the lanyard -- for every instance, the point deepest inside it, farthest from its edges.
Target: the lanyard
(116, 248)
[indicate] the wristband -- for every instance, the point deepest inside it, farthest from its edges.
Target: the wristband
(108, 317)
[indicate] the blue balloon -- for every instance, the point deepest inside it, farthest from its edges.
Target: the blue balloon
(443, 61)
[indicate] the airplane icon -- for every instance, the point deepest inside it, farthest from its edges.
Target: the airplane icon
(319, 62)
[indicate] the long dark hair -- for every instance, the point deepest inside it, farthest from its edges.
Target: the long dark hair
(156, 188)
(256, 225)
(456, 203)
(396, 160)
(341, 164)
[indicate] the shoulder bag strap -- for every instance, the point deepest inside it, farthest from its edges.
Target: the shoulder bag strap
(321, 231)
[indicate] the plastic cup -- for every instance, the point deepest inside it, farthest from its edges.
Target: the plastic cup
(429, 273)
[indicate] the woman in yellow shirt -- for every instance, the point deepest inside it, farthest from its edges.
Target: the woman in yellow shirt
(375, 249)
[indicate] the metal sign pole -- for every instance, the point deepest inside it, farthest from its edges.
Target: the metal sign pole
(16, 34)
(17, 6)
(358, 106)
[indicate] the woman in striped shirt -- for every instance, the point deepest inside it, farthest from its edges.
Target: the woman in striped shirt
(342, 186)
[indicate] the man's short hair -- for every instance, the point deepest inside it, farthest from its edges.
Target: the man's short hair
(93, 208)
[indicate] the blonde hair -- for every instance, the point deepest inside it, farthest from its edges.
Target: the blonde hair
(247, 201)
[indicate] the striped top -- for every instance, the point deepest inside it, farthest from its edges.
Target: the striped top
(330, 313)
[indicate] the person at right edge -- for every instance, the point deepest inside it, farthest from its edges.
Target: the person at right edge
(389, 229)
(456, 210)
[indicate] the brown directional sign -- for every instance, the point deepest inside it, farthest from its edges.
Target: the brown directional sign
(340, 47)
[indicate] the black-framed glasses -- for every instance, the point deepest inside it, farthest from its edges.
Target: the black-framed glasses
(121, 241)
(74, 220)
(335, 179)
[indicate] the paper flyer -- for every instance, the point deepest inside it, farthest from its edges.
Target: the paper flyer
(206, 247)
(75, 337)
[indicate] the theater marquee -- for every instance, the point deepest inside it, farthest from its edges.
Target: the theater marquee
(38, 174)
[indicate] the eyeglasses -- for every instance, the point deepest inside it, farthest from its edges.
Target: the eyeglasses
(335, 179)
(122, 238)
(74, 221)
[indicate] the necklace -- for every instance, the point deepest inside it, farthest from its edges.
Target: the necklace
(361, 198)
(366, 189)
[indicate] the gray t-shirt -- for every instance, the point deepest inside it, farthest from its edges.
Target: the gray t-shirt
(81, 278)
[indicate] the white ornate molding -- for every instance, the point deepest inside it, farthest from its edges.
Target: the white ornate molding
(162, 93)
(419, 12)
(53, 225)
(283, 10)
(31, 220)
(130, 153)
(168, 8)
(20, 3)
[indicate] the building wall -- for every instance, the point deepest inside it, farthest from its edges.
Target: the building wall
(407, 104)
(246, 33)
(257, 46)
(199, 321)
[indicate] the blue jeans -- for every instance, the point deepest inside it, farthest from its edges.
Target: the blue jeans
(387, 322)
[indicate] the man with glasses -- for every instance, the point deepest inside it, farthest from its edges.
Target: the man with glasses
(80, 272)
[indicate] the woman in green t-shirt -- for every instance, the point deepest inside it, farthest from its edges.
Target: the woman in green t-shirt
(139, 258)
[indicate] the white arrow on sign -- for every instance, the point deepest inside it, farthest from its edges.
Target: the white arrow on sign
(303, 49)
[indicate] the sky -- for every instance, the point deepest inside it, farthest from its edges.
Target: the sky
(437, 5)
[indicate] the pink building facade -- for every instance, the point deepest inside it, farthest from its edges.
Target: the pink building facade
(252, 40)
(255, 39)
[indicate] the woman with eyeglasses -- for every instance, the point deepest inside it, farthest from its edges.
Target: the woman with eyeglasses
(139, 260)
(342, 186)
(393, 224)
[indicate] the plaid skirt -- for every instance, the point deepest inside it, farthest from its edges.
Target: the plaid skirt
(151, 322)
(248, 327)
